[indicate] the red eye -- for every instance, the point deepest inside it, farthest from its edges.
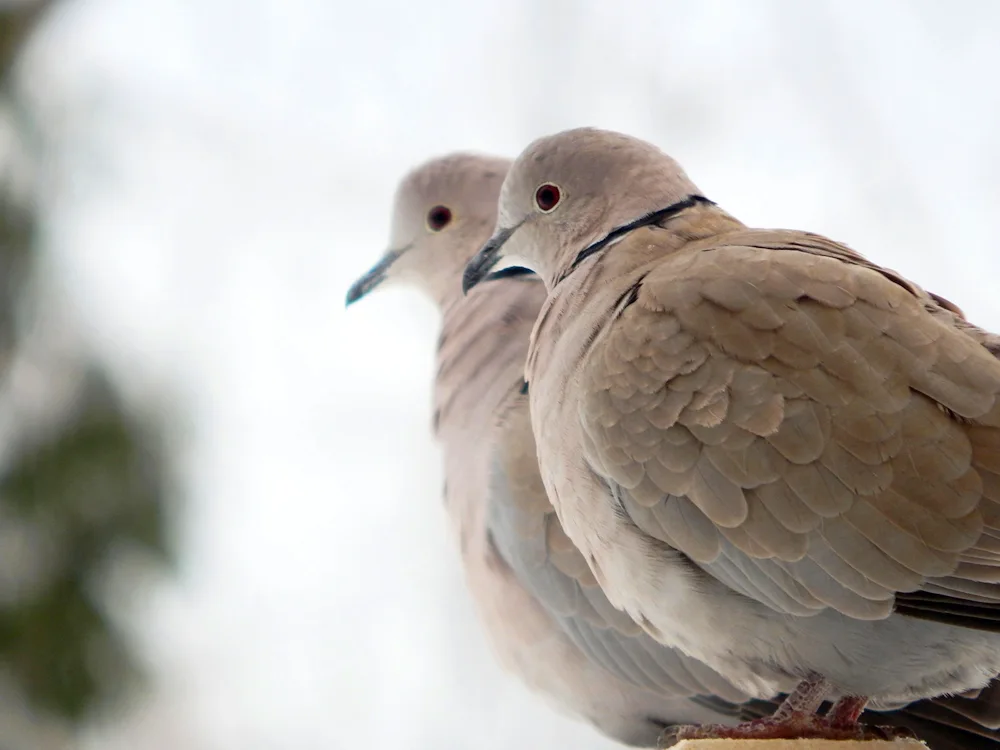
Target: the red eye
(438, 218)
(547, 197)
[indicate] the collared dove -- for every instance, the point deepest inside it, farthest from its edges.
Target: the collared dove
(571, 645)
(547, 620)
(775, 455)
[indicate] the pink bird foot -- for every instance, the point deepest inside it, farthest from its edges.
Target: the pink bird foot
(793, 726)
(796, 718)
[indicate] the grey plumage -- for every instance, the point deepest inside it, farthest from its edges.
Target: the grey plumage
(555, 630)
(775, 455)
(547, 618)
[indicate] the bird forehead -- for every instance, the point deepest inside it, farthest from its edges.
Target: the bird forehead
(472, 195)
(455, 174)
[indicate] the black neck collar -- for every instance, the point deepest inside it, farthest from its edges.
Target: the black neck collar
(643, 221)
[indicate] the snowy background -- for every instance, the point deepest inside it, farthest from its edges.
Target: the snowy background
(221, 170)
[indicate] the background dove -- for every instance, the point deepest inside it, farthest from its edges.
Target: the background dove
(775, 455)
(507, 531)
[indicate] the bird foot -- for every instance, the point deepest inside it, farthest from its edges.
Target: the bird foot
(792, 726)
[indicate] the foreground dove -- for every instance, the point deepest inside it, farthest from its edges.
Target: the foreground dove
(775, 455)
(623, 682)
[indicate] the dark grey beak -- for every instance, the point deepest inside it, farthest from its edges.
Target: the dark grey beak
(373, 278)
(484, 260)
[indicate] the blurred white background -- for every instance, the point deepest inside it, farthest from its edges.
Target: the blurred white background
(220, 171)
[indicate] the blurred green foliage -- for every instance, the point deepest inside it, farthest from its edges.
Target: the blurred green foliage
(76, 488)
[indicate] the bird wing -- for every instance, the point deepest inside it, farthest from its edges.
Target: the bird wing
(528, 536)
(810, 429)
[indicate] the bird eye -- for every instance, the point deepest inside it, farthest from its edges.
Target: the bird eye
(547, 197)
(438, 218)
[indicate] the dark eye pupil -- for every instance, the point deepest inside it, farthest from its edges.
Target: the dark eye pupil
(547, 197)
(438, 217)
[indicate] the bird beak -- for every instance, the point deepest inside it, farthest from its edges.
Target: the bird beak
(375, 276)
(485, 259)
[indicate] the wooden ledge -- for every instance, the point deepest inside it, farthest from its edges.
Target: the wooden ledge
(798, 745)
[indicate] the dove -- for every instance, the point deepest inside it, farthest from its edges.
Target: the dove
(545, 617)
(540, 605)
(774, 454)
(544, 614)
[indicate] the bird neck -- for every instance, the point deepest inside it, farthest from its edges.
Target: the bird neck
(625, 248)
(445, 287)
(482, 346)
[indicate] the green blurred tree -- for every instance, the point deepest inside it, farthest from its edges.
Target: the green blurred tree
(82, 477)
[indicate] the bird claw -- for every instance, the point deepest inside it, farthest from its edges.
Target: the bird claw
(795, 725)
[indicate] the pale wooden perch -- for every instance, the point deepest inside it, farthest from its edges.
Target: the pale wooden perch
(903, 744)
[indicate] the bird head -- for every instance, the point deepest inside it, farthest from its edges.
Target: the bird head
(443, 211)
(569, 190)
